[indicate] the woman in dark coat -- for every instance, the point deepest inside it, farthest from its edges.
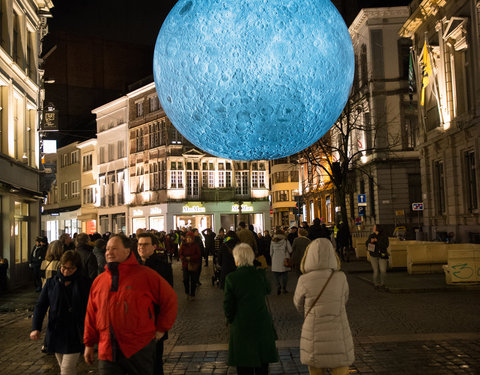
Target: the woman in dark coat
(225, 257)
(190, 253)
(377, 244)
(66, 294)
(252, 336)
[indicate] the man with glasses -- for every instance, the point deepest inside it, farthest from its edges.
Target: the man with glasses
(157, 261)
(121, 313)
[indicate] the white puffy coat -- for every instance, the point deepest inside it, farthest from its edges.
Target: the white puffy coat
(326, 340)
(280, 249)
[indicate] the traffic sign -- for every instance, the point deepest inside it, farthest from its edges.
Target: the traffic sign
(362, 199)
(358, 221)
(361, 210)
(417, 206)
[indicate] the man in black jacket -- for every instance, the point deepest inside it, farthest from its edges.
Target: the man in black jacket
(157, 261)
(89, 260)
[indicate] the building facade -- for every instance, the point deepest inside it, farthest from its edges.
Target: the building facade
(112, 166)
(174, 184)
(449, 34)
(62, 208)
(22, 25)
(285, 192)
(88, 186)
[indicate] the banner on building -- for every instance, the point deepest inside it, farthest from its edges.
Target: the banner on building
(426, 69)
(50, 119)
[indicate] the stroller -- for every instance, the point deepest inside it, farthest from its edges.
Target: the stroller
(217, 267)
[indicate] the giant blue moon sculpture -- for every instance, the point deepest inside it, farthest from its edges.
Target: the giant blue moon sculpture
(253, 79)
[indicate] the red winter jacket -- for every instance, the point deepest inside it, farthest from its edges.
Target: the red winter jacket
(129, 310)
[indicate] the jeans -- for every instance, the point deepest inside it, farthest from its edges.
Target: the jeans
(379, 264)
(333, 371)
(67, 363)
(141, 363)
(281, 278)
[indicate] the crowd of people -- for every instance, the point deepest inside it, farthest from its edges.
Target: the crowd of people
(116, 292)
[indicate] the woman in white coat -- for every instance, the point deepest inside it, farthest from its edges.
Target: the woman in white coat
(280, 249)
(326, 340)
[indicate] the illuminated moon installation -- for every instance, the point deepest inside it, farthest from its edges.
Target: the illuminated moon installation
(253, 79)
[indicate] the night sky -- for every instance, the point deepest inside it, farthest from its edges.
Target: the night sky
(125, 25)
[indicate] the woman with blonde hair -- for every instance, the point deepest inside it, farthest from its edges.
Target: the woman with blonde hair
(252, 336)
(51, 263)
(321, 295)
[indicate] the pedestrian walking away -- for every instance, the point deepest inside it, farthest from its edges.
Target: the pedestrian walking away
(65, 296)
(121, 317)
(321, 296)
(280, 250)
(252, 336)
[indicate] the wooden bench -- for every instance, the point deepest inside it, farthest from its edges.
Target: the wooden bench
(463, 263)
(426, 257)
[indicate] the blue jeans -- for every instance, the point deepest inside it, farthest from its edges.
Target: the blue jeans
(281, 278)
(379, 264)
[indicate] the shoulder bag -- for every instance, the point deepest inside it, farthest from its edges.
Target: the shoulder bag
(319, 294)
(287, 261)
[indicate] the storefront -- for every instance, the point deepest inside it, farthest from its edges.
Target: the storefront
(148, 217)
(216, 215)
(62, 220)
(112, 220)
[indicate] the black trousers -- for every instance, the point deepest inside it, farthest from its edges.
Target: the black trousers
(263, 370)
(141, 363)
(190, 279)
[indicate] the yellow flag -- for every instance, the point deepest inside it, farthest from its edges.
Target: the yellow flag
(426, 71)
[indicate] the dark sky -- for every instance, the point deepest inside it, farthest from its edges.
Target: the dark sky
(139, 21)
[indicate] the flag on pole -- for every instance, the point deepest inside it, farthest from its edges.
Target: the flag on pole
(411, 77)
(426, 67)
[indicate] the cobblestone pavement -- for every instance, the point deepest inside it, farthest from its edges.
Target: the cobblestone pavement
(434, 332)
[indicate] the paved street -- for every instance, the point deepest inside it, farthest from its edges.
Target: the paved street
(420, 329)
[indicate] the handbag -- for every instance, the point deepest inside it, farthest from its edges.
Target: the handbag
(371, 247)
(193, 266)
(319, 294)
(287, 262)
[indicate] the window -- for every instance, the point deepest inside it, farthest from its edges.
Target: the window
(153, 103)
(281, 196)
(139, 108)
(75, 188)
(87, 162)
(121, 149)
(89, 195)
(101, 155)
(176, 137)
(75, 156)
(65, 190)
(439, 186)
(208, 175)
(65, 160)
(241, 181)
(471, 181)
(192, 179)
(21, 230)
(176, 175)
(258, 175)
(111, 152)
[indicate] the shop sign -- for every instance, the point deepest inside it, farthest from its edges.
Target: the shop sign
(193, 208)
(246, 207)
(155, 211)
(137, 213)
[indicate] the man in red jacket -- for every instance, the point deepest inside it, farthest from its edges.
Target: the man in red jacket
(120, 313)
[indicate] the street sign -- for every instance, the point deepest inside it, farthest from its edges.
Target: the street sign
(361, 210)
(362, 199)
(358, 221)
(417, 206)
